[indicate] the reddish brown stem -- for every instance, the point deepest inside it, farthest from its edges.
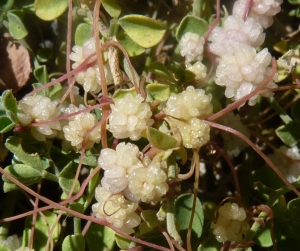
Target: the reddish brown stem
(256, 149)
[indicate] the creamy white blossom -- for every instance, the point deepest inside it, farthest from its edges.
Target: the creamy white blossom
(194, 133)
(129, 117)
(262, 10)
(242, 71)
(78, 127)
(90, 78)
(198, 69)
(234, 32)
(188, 104)
(128, 170)
(149, 184)
(231, 224)
(191, 47)
(34, 109)
(115, 209)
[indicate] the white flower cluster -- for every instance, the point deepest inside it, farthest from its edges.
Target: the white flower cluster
(11, 242)
(185, 110)
(192, 47)
(129, 177)
(115, 209)
(242, 68)
(262, 10)
(289, 167)
(232, 144)
(198, 68)
(231, 224)
(129, 116)
(128, 171)
(90, 79)
(34, 109)
(78, 127)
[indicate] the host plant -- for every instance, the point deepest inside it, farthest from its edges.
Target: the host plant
(147, 125)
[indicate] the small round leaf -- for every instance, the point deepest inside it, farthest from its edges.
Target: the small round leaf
(50, 9)
(192, 24)
(145, 31)
(16, 26)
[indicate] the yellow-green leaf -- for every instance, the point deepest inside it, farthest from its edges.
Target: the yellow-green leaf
(145, 31)
(50, 9)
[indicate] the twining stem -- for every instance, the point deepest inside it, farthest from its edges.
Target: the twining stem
(79, 215)
(256, 149)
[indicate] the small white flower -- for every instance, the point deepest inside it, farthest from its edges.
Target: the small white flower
(78, 127)
(262, 10)
(90, 79)
(235, 31)
(188, 104)
(38, 109)
(194, 133)
(129, 117)
(242, 71)
(191, 47)
(289, 167)
(148, 183)
(198, 69)
(231, 224)
(117, 164)
(116, 210)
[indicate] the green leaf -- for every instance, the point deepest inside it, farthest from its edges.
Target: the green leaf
(66, 183)
(183, 208)
(105, 238)
(145, 31)
(42, 230)
(112, 8)
(23, 173)
(296, 110)
(149, 216)
(14, 144)
(132, 48)
(122, 242)
(289, 133)
(121, 93)
(16, 26)
(160, 70)
(9, 101)
(192, 24)
(159, 91)
(264, 238)
(4, 248)
(50, 9)
(44, 54)
(6, 5)
(83, 33)
(296, 2)
(74, 243)
(6, 124)
(161, 140)
(292, 220)
(41, 74)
